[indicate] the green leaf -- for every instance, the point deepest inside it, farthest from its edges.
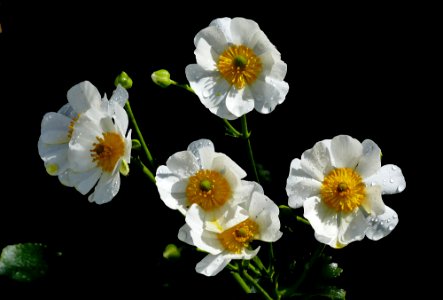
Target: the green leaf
(23, 262)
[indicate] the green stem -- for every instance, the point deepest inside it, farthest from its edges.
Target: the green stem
(241, 282)
(139, 134)
(145, 169)
(256, 285)
(259, 263)
(184, 86)
(231, 129)
(246, 135)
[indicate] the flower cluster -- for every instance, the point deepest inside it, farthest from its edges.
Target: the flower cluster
(339, 182)
(223, 213)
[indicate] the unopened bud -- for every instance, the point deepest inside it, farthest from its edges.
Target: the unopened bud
(124, 80)
(161, 78)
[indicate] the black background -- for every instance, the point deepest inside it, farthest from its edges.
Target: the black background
(351, 70)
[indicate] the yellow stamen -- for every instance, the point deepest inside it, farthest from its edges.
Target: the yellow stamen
(343, 190)
(209, 189)
(108, 151)
(71, 126)
(239, 65)
(236, 238)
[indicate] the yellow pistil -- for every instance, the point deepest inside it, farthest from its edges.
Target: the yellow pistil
(71, 126)
(343, 190)
(239, 65)
(236, 238)
(108, 151)
(209, 189)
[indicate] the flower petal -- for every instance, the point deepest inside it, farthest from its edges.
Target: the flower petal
(214, 37)
(323, 220)
(165, 181)
(373, 203)
(382, 225)
(222, 163)
(317, 161)
(85, 181)
(83, 96)
(389, 178)
(265, 213)
(260, 44)
(184, 235)
(346, 151)
(54, 128)
(120, 118)
(205, 55)
(370, 162)
(239, 102)
(203, 150)
(242, 30)
(224, 26)
(300, 190)
(106, 189)
(211, 265)
(119, 96)
(352, 227)
(273, 66)
(209, 86)
(268, 94)
(182, 163)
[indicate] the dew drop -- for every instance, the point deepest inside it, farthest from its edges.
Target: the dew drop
(391, 180)
(391, 227)
(400, 188)
(388, 220)
(394, 168)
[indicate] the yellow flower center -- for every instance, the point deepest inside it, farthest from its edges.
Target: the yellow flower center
(209, 189)
(71, 126)
(108, 151)
(239, 65)
(343, 190)
(236, 238)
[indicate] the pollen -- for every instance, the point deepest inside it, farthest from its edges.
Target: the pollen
(239, 66)
(343, 190)
(209, 189)
(71, 126)
(108, 150)
(236, 238)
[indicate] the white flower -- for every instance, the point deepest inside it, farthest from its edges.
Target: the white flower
(238, 69)
(57, 127)
(339, 183)
(229, 237)
(202, 176)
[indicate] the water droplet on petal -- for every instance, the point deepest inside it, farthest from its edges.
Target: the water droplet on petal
(388, 220)
(400, 188)
(372, 183)
(394, 168)
(391, 227)
(205, 93)
(391, 180)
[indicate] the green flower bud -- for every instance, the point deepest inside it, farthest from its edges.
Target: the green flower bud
(136, 145)
(161, 78)
(171, 252)
(124, 80)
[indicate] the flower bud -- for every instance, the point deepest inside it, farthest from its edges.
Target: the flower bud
(124, 80)
(161, 78)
